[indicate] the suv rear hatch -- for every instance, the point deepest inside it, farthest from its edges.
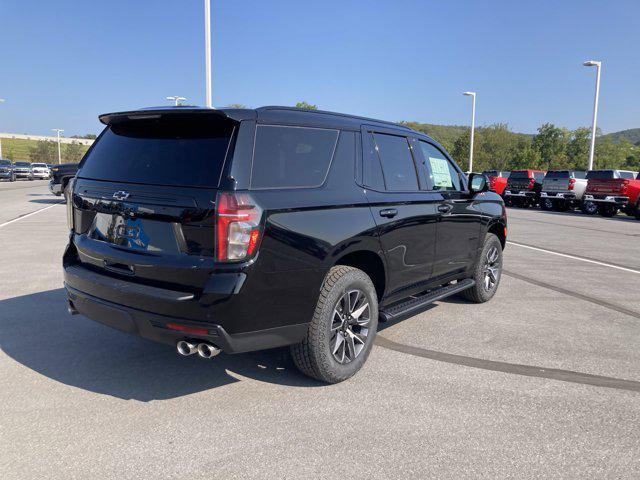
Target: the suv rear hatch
(144, 199)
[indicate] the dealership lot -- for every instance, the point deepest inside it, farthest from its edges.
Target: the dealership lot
(544, 380)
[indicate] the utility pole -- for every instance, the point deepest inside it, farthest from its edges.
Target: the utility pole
(598, 65)
(207, 51)
(176, 99)
(473, 127)
(58, 131)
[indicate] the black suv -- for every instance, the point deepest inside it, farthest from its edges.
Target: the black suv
(237, 230)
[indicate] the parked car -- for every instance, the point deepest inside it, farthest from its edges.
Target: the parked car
(612, 190)
(6, 170)
(60, 176)
(563, 189)
(243, 229)
(523, 188)
(40, 170)
(497, 180)
(22, 170)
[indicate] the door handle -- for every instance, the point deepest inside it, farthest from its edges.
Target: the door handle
(444, 208)
(388, 212)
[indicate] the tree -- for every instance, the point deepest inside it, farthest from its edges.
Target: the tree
(550, 142)
(460, 150)
(611, 155)
(44, 151)
(73, 152)
(526, 157)
(577, 148)
(306, 106)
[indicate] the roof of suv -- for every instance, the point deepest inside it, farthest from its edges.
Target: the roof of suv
(269, 114)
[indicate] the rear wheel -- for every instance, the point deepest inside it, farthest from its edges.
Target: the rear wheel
(562, 206)
(637, 210)
(607, 210)
(344, 325)
(589, 208)
(487, 272)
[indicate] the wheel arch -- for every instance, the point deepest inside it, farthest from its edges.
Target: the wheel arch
(499, 229)
(370, 263)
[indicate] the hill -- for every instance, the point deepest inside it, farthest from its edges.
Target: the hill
(17, 149)
(632, 136)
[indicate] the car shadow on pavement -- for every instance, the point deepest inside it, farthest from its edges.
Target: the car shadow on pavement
(37, 331)
(46, 200)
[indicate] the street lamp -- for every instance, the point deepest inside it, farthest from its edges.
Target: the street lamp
(1, 101)
(473, 126)
(176, 99)
(597, 64)
(58, 131)
(207, 51)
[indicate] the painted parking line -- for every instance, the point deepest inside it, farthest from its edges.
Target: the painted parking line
(573, 257)
(29, 214)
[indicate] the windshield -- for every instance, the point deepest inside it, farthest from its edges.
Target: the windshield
(22, 164)
(178, 150)
(5, 162)
(39, 165)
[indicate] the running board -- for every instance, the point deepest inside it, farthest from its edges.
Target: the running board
(407, 306)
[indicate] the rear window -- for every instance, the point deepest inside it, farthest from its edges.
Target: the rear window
(22, 164)
(180, 150)
(601, 174)
(559, 174)
(291, 157)
(629, 175)
(520, 175)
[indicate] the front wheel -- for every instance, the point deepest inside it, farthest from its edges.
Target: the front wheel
(546, 204)
(487, 272)
(344, 325)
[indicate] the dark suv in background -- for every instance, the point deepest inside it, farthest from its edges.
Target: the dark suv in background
(240, 230)
(6, 170)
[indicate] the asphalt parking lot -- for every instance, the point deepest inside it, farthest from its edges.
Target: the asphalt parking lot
(543, 381)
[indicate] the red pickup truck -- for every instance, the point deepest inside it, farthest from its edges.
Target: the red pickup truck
(613, 190)
(497, 180)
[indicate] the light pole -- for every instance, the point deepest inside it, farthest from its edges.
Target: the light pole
(176, 99)
(473, 126)
(58, 131)
(597, 64)
(1, 101)
(207, 51)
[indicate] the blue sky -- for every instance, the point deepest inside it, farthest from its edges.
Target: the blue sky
(65, 62)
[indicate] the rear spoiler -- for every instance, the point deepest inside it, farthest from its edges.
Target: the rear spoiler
(157, 112)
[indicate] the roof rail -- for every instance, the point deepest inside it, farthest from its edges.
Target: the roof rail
(337, 114)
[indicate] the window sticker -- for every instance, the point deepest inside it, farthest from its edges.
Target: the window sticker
(440, 172)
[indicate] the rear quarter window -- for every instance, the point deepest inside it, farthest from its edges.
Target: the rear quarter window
(291, 157)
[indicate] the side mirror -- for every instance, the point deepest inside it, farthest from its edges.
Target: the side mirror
(478, 183)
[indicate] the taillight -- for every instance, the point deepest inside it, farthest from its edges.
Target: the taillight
(624, 187)
(68, 195)
(531, 183)
(572, 181)
(237, 226)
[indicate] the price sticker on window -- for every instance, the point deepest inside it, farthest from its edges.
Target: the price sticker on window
(441, 173)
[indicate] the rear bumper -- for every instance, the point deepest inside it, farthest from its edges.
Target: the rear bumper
(86, 291)
(521, 194)
(22, 174)
(608, 199)
(558, 195)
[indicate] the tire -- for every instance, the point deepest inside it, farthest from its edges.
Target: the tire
(607, 211)
(588, 208)
(314, 356)
(562, 206)
(547, 204)
(12, 178)
(480, 293)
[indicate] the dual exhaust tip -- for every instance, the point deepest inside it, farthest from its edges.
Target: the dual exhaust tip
(205, 350)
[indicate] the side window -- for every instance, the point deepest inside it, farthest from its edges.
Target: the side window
(628, 175)
(371, 167)
(291, 157)
(397, 163)
(441, 173)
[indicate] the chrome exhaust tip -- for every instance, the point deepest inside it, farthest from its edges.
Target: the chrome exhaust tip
(186, 348)
(206, 350)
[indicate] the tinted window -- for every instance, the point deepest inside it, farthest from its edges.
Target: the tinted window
(629, 175)
(5, 162)
(441, 173)
(372, 170)
(579, 174)
(492, 173)
(175, 150)
(22, 164)
(289, 157)
(560, 174)
(601, 174)
(397, 163)
(519, 175)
